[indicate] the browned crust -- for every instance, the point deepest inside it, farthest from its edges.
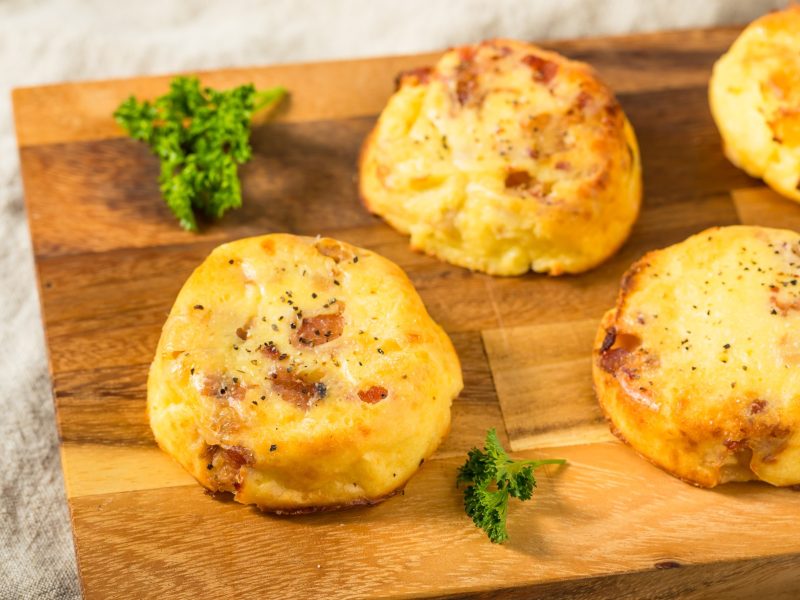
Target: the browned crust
(683, 456)
(606, 387)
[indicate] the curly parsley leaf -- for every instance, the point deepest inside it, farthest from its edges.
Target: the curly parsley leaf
(491, 478)
(201, 136)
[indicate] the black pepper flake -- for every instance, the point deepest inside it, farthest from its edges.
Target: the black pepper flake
(191, 370)
(255, 403)
(336, 282)
(726, 346)
(235, 347)
(273, 447)
(313, 294)
(293, 325)
(355, 259)
(230, 262)
(209, 466)
(274, 327)
(198, 307)
(774, 312)
(380, 350)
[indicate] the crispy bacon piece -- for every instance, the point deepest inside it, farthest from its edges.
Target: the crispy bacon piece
(616, 348)
(226, 463)
(296, 390)
(518, 179)
(222, 387)
(543, 70)
(373, 395)
(314, 331)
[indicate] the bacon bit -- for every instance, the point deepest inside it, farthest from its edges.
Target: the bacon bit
(466, 85)
(612, 360)
(295, 390)
(543, 70)
(373, 395)
(608, 341)
(314, 331)
(217, 386)
(466, 54)
(562, 165)
(333, 249)
(583, 99)
(757, 406)
(518, 179)
(418, 76)
(735, 445)
(271, 350)
(226, 465)
(533, 153)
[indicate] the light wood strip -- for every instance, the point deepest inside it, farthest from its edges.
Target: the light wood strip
(606, 513)
(543, 376)
(92, 469)
(762, 206)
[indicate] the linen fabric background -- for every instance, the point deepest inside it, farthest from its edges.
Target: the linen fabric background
(59, 40)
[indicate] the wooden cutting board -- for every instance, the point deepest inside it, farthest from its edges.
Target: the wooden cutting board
(110, 260)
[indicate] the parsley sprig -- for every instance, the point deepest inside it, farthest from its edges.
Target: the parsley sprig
(201, 136)
(493, 478)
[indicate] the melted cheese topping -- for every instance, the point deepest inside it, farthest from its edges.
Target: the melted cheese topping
(703, 347)
(301, 373)
(505, 158)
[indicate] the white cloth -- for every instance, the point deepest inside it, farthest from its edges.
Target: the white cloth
(80, 39)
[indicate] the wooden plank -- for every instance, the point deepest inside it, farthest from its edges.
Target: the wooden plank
(543, 376)
(607, 513)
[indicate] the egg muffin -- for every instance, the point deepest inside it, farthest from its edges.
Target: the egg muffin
(301, 374)
(505, 158)
(698, 366)
(755, 99)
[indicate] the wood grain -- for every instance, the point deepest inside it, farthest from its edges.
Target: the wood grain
(110, 261)
(416, 544)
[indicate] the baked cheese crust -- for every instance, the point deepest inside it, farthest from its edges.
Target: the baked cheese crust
(697, 366)
(301, 374)
(503, 158)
